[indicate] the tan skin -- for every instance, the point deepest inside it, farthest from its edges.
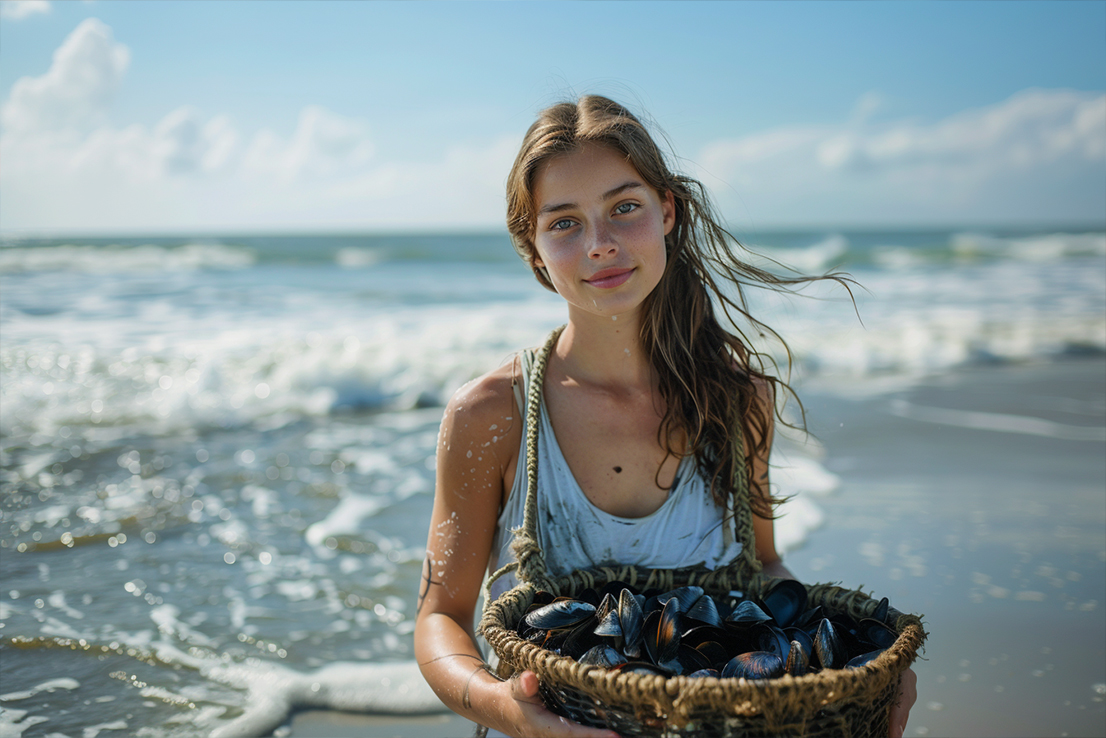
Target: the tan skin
(600, 236)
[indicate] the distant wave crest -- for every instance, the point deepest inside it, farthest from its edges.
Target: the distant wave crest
(122, 259)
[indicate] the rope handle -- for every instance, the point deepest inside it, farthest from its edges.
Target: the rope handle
(529, 564)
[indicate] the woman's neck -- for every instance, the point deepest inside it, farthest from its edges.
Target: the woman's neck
(605, 351)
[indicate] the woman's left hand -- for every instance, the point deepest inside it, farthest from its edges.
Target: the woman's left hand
(904, 700)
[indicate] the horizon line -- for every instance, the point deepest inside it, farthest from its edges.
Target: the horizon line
(777, 227)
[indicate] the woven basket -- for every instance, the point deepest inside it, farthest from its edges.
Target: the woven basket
(849, 702)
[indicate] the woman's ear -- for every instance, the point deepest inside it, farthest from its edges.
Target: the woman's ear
(668, 208)
(538, 262)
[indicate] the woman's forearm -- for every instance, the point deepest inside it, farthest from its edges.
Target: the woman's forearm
(454, 668)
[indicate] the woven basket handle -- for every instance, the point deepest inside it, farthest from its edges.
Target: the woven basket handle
(529, 564)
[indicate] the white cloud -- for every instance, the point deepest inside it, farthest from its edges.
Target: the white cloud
(66, 168)
(77, 90)
(324, 143)
(20, 9)
(1031, 128)
(1036, 140)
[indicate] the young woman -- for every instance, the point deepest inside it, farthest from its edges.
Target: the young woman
(641, 394)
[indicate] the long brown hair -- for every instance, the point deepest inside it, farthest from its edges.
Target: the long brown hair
(708, 375)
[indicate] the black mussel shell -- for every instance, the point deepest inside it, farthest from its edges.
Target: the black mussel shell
(704, 610)
(602, 655)
(828, 647)
(798, 660)
(864, 658)
(809, 620)
(632, 622)
(686, 596)
(748, 613)
(662, 633)
(848, 632)
(606, 604)
(880, 613)
(785, 602)
(754, 665)
(561, 613)
(800, 635)
(580, 639)
(893, 616)
(876, 633)
(705, 673)
(772, 639)
(610, 626)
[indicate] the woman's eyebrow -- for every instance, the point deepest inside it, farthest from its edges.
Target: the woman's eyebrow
(606, 196)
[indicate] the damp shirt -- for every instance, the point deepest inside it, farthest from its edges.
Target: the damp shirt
(688, 529)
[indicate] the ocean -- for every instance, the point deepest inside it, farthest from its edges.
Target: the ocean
(218, 452)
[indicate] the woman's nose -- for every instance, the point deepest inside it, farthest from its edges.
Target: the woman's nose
(602, 242)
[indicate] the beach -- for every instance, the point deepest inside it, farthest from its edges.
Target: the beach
(218, 467)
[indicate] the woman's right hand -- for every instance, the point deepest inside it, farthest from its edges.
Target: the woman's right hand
(536, 720)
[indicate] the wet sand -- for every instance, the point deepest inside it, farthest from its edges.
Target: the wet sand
(326, 724)
(998, 537)
(987, 521)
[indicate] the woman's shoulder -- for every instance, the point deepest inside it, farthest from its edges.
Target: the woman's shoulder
(486, 404)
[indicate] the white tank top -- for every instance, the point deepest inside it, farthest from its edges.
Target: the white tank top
(688, 529)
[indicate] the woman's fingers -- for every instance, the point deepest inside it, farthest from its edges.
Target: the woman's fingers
(542, 722)
(524, 687)
(904, 700)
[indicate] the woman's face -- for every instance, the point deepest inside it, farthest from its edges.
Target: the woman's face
(600, 230)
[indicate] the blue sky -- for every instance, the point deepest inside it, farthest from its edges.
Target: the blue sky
(270, 116)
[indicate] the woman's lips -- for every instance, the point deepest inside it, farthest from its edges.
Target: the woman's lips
(609, 278)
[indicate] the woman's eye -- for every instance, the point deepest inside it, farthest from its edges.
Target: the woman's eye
(626, 207)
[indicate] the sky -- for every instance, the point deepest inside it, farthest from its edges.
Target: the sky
(216, 117)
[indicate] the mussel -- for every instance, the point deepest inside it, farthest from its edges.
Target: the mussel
(864, 658)
(662, 633)
(560, 613)
(785, 602)
(798, 660)
(748, 613)
(754, 665)
(828, 647)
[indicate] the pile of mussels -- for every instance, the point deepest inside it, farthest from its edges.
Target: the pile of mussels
(688, 632)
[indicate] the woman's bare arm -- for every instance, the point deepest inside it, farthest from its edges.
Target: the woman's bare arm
(764, 528)
(479, 439)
